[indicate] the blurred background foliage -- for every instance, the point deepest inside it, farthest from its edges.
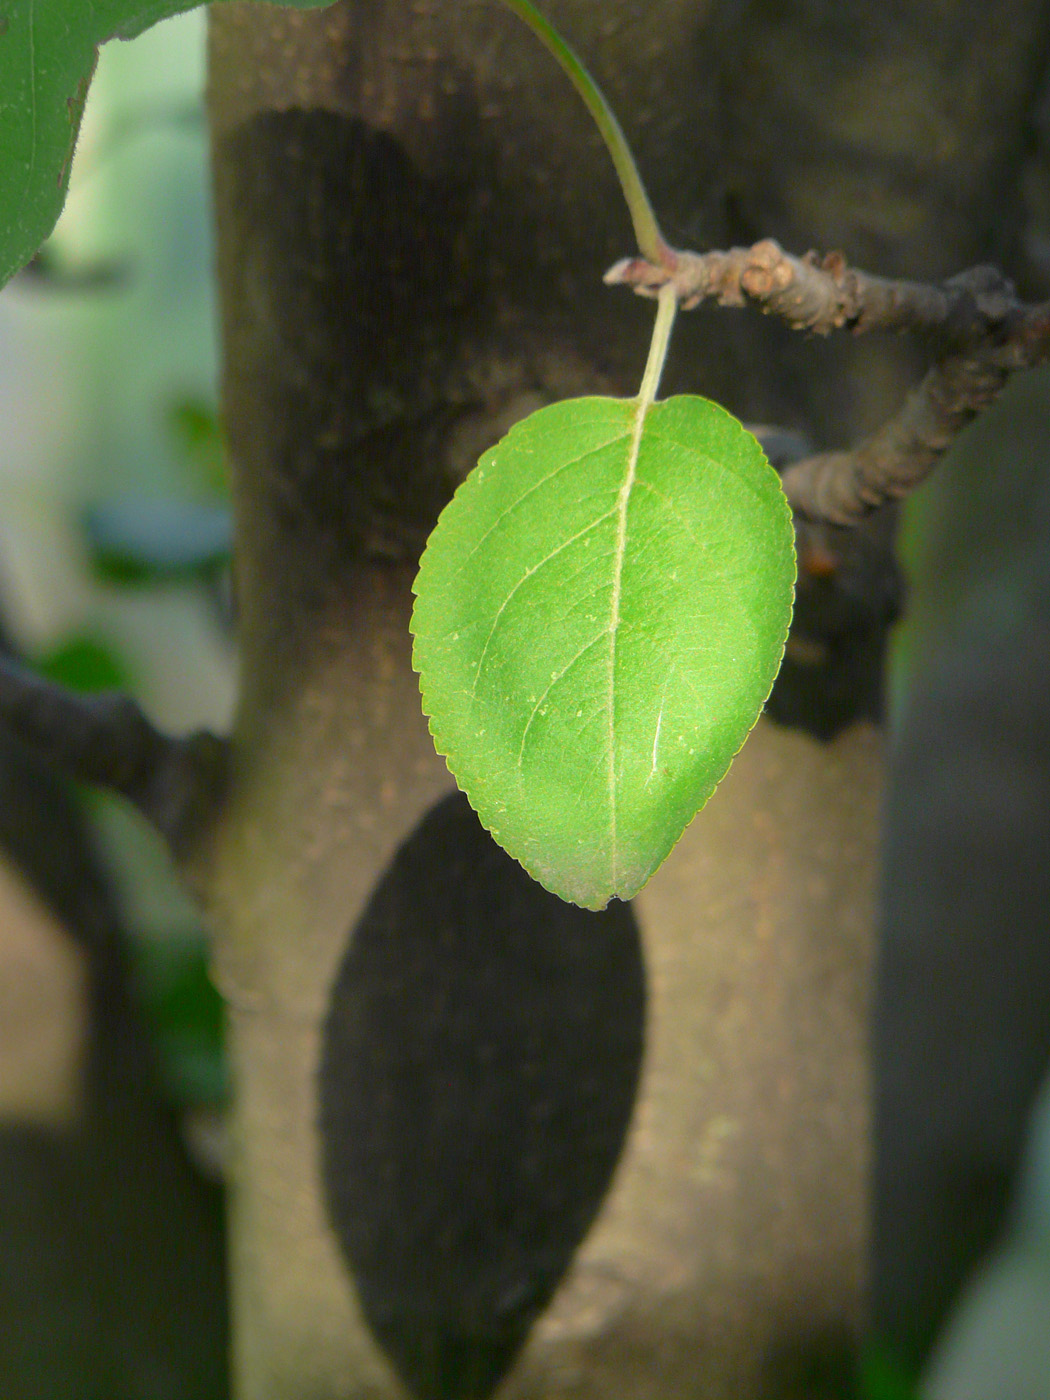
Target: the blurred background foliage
(114, 538)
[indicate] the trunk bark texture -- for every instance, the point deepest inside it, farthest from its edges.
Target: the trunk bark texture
(413, 217)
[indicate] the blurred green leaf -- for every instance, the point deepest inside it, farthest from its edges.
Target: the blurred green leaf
(185, 1013)
(83, 663)
(973, 538)
(138, 541)
(883, 1376)
(199, 438)
(48, 50)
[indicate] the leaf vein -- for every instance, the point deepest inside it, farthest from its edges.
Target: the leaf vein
(672, 509)
(719, 466)
(536, 486)
(530, 573)
(560, 675)
(659, 722)
(622, 502)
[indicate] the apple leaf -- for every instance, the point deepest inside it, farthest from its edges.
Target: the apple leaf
(600, 614)
(47, 57)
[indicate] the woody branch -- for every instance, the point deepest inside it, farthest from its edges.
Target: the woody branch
(979, 331)
(107, 741)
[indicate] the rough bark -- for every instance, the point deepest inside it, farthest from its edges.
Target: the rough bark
(896, 131)
(413, 218)
(408, 258)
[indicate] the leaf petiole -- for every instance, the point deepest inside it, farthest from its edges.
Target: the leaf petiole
(651, 242)
(667, 305)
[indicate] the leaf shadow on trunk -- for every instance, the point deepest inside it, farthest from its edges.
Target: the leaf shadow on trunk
(480, 1062)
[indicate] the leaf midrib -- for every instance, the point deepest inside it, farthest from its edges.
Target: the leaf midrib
(622, 503)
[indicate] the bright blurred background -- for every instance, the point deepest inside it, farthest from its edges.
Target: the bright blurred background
(115, 526)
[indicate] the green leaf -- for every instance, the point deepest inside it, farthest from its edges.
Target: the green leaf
(142, 541)
(47, 57)
(601, 612)
(185, 1014)
(83, 663)
(883, 1375)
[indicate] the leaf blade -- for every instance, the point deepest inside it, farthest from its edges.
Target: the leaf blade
(591, 645)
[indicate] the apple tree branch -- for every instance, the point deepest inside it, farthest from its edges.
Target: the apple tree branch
(979, 331)
(106, 740)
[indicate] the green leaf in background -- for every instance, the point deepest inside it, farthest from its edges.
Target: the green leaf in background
(143, 541)
(47, 57)
(197, 432)
(600, 615)
(83, 663)
(185, 1015)
(883, 1376)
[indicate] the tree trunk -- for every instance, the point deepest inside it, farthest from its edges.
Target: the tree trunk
(413, 216)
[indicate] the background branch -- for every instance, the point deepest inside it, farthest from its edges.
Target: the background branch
(106, 740)
(981, 334)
